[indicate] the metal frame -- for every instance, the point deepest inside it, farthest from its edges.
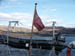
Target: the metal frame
(9, 26)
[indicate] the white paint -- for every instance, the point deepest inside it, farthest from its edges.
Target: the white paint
(27, 45)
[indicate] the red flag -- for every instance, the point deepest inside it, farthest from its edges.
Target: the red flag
(68, 52)
(37, 21)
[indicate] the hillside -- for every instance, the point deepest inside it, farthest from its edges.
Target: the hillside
(14, 29)
(24, 32)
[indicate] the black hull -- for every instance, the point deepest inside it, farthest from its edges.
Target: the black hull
(41, 44)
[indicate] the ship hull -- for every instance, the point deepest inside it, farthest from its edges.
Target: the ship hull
(24, 43)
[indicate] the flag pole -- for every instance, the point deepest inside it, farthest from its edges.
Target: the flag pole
(29, 51)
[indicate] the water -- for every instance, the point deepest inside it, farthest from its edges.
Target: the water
(34, 52)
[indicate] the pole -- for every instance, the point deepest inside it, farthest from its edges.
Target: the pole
(53, 49)
(54, 30)
(8, 37)
(29, 51)
(16, 22)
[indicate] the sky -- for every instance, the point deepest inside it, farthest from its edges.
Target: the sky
(61, 11)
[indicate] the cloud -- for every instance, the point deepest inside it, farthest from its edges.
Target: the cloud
(4, 17)
(12, 0)
(21, 15)
(58, 22)
(24, 18)
(16, 1)
(4, 14)
(29, 25)
(4, 6)
(27, 18)
(48, 20)
(50, 10)
(16, 16)
(47, 9)
(70, 25)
